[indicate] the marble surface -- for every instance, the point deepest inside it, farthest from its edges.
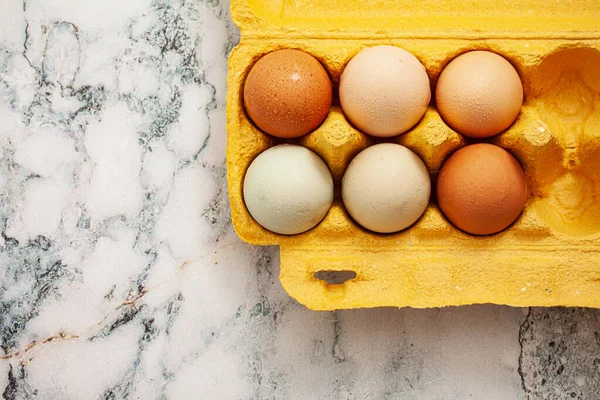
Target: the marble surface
(121, 276)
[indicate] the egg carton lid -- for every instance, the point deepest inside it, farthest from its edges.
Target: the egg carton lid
(379, 19)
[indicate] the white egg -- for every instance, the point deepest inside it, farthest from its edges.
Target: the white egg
(386, 188)
(288, 189)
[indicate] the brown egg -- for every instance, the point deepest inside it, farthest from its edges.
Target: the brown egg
(287, 93)
(479, 94)
(481, 189)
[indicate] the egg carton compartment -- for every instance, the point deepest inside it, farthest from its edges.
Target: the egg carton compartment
(562, 150)
(549, 256)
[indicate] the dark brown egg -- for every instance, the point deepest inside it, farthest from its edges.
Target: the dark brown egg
(481, 189)
(287, 93)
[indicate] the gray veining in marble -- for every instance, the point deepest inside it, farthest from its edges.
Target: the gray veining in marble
(121, 276)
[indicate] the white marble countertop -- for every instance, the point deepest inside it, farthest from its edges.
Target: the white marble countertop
(121, 276)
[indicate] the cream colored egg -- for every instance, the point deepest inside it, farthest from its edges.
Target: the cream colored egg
(386, 188)
(384, 91)
(288, 189)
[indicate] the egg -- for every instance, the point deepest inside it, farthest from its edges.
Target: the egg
(288, 189)
(287, 93)
(386, 188)
(384, 91)
(481, 189)
(479, 94)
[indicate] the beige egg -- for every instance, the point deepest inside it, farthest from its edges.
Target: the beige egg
(479, 94)
(384, 91)
(386, 188)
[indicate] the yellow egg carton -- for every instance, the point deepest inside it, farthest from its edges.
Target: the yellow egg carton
(549, 256)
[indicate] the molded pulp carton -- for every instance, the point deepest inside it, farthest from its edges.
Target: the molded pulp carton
(549, 256)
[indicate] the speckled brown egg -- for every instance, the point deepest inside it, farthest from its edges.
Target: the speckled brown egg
(481, 189)
(287, 93)
(479, 94)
